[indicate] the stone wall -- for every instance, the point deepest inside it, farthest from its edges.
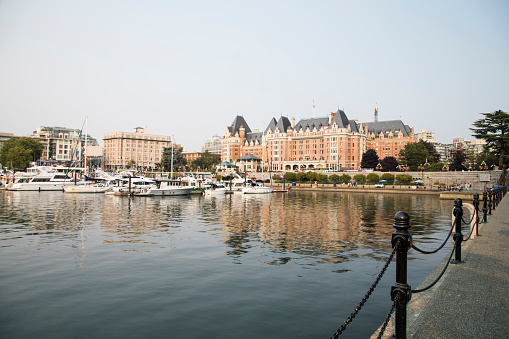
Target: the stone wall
(462, 178)
(429, 178)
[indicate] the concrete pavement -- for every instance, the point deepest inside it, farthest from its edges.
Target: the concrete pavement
(472, 298)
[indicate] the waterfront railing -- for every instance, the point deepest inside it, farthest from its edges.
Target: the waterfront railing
(401, 292)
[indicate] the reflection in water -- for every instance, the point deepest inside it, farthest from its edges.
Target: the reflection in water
(317, 227)
(169, 262)
(328, 227)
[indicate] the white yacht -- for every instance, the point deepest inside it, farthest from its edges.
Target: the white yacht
(216, 189)
(234, 182)
(132, 186)
(165, 187)
(46, 181)
(256, 188)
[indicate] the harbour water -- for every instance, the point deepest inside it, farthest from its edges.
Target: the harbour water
(261, 266)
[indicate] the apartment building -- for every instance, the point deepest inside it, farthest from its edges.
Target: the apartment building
(62, 144)
(213, 145)
(137, 149)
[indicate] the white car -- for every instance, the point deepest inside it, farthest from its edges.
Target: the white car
(379, 185)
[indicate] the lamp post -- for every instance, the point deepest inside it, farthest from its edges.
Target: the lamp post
(420, 168)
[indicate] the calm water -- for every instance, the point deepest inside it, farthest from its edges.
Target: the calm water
(271, 266)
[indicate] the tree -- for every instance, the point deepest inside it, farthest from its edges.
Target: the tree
(437, 167)
(359, 178)
(373, 177)
(494, 129)
(345, 178)
(389, 164)
(206, 161)
(290, 176)
(433, 155)
(179, 161)
(19, 152)
(404, 177)
(334, 177)
(321, 177)
(414, 155)
(387, 176)
(370, 159)
(458, 160)
(301, 176)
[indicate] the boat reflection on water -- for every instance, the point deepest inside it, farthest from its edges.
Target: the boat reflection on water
(236, 261)
(323, 225)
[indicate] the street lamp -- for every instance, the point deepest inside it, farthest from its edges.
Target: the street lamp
(420, 168)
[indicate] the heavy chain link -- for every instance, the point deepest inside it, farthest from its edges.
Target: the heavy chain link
(384, 325)
(363, 301)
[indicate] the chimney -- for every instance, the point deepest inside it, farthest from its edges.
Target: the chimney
(376, 113)
(331, 116)
(292, 122)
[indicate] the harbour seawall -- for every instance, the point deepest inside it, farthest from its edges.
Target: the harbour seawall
(389, 189)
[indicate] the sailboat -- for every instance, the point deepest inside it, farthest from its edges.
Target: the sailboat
(84, 186)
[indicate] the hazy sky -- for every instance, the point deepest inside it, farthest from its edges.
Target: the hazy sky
(187, 68)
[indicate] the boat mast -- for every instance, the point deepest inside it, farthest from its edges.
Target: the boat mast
(171, 168)
(86, 141)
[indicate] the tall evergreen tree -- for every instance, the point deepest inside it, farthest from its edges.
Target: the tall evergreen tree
(494, 129)
(458, 160)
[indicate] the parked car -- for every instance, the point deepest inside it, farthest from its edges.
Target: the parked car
(379, 185)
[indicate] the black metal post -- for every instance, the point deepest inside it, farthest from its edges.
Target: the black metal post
(130, 185)
(402, 241)
(489, 201)
(457, 237)
(484, 207)
(476, 207)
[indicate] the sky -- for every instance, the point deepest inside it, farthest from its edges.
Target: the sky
(188, 68)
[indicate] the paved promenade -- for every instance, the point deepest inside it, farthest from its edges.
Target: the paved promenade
(472, 299)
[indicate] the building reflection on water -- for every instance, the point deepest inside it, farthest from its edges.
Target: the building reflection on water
(324, 227)
(330, 226)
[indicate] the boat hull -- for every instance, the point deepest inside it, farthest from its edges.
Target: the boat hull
(257, 190)
(85, 189)
(50, 186)
(162, 192)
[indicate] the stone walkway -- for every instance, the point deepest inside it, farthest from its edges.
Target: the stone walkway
(472, 299)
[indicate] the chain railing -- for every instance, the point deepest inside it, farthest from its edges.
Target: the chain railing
(401, 292)
(366, 296)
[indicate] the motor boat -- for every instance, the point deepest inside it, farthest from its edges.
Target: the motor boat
(166, 187)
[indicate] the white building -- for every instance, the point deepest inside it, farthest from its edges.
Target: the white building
(424, 135)
(213, 145)
(61, 143)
